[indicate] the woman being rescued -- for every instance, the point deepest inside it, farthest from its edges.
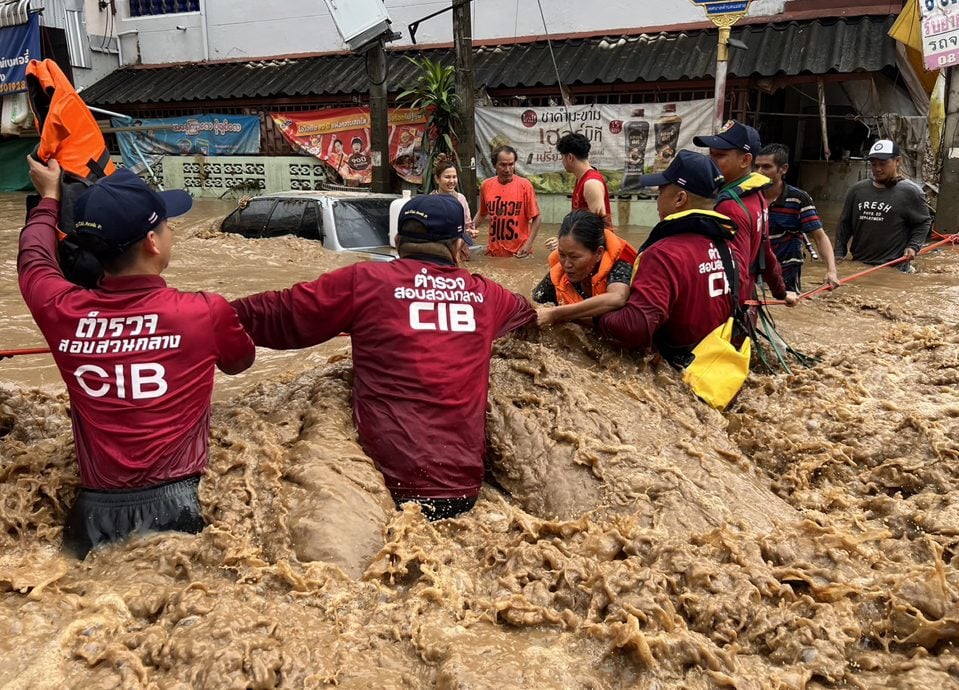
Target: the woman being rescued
(590, 271)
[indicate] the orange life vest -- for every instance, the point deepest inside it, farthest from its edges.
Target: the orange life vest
(68, 131)
(617, 249)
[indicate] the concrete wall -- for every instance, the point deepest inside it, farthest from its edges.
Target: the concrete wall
(230, 177)
(229, 29)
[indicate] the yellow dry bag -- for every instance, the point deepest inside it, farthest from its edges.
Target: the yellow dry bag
(719, 370)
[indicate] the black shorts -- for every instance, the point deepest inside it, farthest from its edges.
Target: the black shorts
(439, 508)
(100, 517)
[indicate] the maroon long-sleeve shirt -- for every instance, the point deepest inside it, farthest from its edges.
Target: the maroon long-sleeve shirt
(422, 336)
(750, 243)
(137, 358)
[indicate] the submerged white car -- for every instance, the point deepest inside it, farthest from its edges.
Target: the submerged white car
(342, 221)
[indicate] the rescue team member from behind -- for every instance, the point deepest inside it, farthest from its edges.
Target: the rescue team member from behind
(509, 202)
(590, 192)
(137, 357)
(680, 291)
(886, 217)
(589, 273)
(792, 215)
(741, 200)
(422, 332)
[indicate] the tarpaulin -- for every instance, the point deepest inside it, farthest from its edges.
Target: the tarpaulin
(627, 140)
(14, 172)
(208, 135)
(18, 45)
(340, 137)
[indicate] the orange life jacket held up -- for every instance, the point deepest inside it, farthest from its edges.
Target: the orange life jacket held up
(68, 131)
(617, 249)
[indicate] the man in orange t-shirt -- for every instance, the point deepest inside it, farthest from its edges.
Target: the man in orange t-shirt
(510, 203)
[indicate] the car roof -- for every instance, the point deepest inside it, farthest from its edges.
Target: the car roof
(319, 194)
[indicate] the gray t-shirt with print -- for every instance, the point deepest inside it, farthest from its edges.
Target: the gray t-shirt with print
(882, 222)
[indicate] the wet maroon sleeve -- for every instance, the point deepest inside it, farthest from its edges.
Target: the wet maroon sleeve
(41, 279)
(235, 349)
(772, 273)
(514, 310)
(650, 299)
(301, 316)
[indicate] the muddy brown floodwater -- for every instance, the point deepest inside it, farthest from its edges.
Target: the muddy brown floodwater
(636, 539)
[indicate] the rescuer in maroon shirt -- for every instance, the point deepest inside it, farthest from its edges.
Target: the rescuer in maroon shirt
(137, 357)
(422, 330)
(680, 291)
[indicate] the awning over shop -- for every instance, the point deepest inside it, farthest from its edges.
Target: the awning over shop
(827, 46)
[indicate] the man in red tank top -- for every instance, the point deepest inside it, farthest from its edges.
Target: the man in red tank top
(590, 192)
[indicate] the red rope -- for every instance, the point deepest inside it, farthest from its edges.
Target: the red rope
(28, 351)
(946, 239)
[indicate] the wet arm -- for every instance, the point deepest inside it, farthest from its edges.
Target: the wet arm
(917, 214)
(481, 212)
(235, 349)
(824, 246)
(528, 244)
(513, 310)
(301, 316)
(615, 298)
(844, 234)
(594, 194)
(651, 299)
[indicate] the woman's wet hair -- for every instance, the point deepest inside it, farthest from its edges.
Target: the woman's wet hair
(441, 165)
(586, 228)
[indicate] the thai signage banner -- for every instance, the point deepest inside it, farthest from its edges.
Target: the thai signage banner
(340, 137)
(207, 135)
(627, 140)
(940, 33)
(18, 45)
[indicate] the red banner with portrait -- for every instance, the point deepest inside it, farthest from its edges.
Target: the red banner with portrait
(340, 137)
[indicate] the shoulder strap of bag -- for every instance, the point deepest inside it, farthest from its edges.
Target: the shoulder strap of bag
(732, 277)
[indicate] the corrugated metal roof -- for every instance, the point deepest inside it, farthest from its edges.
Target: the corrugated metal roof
(822, 46)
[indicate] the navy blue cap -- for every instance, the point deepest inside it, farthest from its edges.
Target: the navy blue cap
(441, 215)
(692, 171)
(733, 135)
(119, 210)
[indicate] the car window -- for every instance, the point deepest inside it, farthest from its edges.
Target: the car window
(311, 226)
(362, 222)
(251, 220)
(285, 219)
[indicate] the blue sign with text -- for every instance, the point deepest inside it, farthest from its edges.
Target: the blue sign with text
(718, 7)
(727, 7)
(18, 45)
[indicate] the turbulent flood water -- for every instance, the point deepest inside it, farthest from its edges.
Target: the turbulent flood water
(634, 538)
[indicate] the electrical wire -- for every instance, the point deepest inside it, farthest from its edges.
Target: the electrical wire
(549, 44)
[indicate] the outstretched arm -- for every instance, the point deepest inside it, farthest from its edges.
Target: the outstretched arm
(615, 298)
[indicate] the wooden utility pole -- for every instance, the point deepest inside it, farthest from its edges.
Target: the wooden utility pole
(466, 133)
(379, 128)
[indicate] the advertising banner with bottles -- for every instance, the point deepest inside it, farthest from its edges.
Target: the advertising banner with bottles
(627, 140)
(340, 137)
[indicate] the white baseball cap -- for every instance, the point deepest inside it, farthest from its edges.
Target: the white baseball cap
(884, 149)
